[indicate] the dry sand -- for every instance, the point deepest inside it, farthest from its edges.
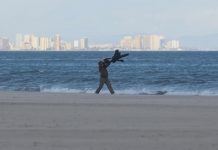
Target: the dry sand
(54, 121)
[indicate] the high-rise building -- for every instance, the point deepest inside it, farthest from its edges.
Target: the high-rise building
(83, 43)
(76, 44)
(19, 41)
(173, 44)
(34, 42)
(137, 42)
(151, 42)
(30, 42)
(44, 43)
(127, 42)
(146, 42)
(155, 45)
(67, 46)
(4, 44)
(57, 42)
(27, 42)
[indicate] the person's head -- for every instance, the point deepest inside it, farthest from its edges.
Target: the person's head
(116, 51)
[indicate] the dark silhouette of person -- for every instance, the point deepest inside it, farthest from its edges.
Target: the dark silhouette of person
(104, 76)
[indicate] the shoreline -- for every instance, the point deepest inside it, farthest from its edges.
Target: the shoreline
(105, 93)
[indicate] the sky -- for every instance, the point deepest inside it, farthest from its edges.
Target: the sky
(105, 20)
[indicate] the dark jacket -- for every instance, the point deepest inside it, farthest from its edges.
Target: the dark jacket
(103, 68)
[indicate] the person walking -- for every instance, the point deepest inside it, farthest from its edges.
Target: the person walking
(104, 76)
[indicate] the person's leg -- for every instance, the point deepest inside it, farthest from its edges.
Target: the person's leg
(109, 86)
(101, 84)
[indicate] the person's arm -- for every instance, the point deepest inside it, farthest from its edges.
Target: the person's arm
(107, 63)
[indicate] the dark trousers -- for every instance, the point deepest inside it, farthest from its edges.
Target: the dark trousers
(101, 84)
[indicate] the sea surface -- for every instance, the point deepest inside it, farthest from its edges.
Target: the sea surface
(142, 73)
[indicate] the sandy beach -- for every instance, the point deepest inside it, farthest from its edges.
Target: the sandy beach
(55, 121)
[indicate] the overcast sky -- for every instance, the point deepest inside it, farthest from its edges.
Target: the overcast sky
(99, 19)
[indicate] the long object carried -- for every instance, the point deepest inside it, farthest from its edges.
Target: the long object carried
(117, 56)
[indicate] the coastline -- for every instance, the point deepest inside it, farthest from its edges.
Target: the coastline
(32, 120)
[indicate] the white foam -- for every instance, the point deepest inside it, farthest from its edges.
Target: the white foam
(65, 90)
(144, 91)
(59, 89)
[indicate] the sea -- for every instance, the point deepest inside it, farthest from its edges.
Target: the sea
(141, 73)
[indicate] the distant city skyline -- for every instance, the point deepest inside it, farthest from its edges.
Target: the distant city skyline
(109, 20)
(57, 43)
(43, 43)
